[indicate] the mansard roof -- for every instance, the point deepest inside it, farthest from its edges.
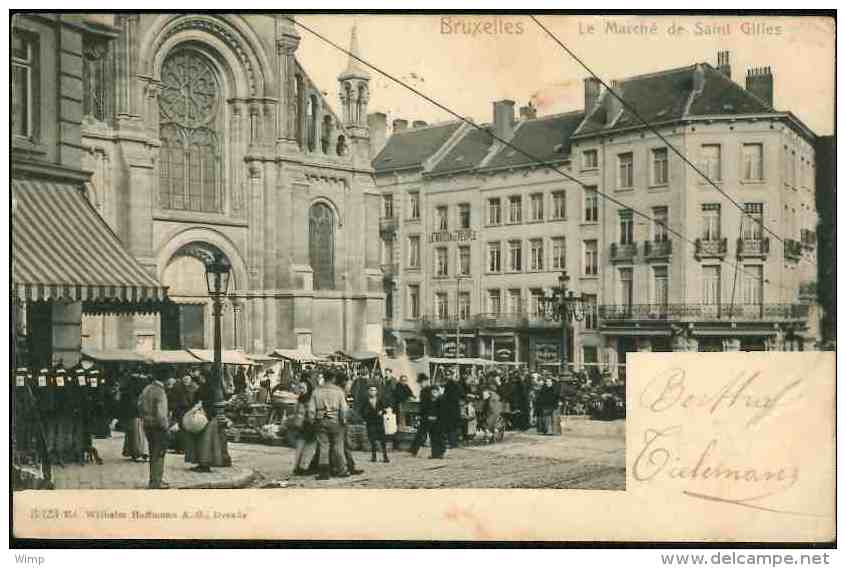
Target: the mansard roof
(546, 138)
(674, 94)
(411, 147)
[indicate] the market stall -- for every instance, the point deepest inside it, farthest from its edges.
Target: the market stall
(439, 367)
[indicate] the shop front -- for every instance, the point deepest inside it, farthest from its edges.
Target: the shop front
(66, 262)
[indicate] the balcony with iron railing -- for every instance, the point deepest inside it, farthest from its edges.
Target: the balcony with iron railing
(701, 312)
(450, 322)
(759, 247)
(660, 249)
(623, 252)
(710, 248)
(792, 249)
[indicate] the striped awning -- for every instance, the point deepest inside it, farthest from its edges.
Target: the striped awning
(63, 250)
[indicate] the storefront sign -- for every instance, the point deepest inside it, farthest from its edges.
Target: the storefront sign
(459, 235)
(448, 349)
(547, 353)
(504, 354)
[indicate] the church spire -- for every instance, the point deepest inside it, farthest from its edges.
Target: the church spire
(355, 69)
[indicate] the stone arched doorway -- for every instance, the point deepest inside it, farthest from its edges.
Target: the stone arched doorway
(188, 324)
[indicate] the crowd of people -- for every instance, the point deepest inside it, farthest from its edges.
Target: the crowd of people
(462, 407)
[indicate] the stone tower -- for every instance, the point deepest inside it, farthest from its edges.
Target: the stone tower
(354, 89)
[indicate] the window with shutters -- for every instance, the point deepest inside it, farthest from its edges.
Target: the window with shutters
(711, 284)
(660, 168)
(414, 251)
(711, 162)
(753, 221)
(321, 248)
(442, 305)
(536, 259)
(414, 205)
(711, 221)
(494, 257)
(515, 256)
(660, 285)
(591, 206)
(414, 301)
(753, 284)
(24, 84)
(494, 211)
(659, 224)
(626, 227)
(515, 209)
(190, 166)
(441, 262)
(559, 254)
(625, 171)
(559, 205)
(753, 162)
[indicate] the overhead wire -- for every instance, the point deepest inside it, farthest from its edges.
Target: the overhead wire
(535, 159)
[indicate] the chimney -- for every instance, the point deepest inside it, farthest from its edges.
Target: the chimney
(723, 65)
(419, 124)
(503, 119)
(592, 85)
(612, 104)
(528, 112)
(400, 124)
(377, 123)
(759, 82)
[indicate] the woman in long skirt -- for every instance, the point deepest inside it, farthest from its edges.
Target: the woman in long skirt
(306, 437)
(206, 448)
(134, 441)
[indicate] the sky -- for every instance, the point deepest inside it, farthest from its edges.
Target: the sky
(467, 62)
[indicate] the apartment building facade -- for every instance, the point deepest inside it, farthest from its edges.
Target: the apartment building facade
(669, 262)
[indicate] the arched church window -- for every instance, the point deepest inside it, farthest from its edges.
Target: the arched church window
(361, 105)
(348, 102)
(341, 148)
(190, 168)
(321, 245)
(298, 97)
(326, 134)
(312, 112)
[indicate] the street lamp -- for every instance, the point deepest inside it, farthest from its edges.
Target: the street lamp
(561, 304)
(217, 280)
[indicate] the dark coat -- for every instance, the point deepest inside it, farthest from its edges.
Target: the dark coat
(402, 393)
(547, 398)
(180, 399)
(372, 415)
(426, 403)
(451, 400)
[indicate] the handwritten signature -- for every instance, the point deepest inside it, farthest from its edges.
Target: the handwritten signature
(669, 389)
(754, 483)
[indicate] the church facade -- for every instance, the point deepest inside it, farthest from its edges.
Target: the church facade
(205, 135)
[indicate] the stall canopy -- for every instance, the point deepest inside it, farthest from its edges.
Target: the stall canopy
(299, 355)
(63, 250)
(172, 357)
(359, 355)
(114, 355)
(228, 357)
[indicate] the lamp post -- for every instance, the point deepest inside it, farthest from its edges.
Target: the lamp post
(217, 280)
(561, 304)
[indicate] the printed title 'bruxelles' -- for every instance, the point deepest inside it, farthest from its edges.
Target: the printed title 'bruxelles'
(698, 29)
(480, 26)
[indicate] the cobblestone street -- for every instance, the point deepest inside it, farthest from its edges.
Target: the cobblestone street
(593, 457)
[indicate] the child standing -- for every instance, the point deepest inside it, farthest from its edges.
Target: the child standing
(373, 411)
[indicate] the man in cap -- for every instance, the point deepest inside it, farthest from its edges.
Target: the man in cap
(426, 407)
(327, 410)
